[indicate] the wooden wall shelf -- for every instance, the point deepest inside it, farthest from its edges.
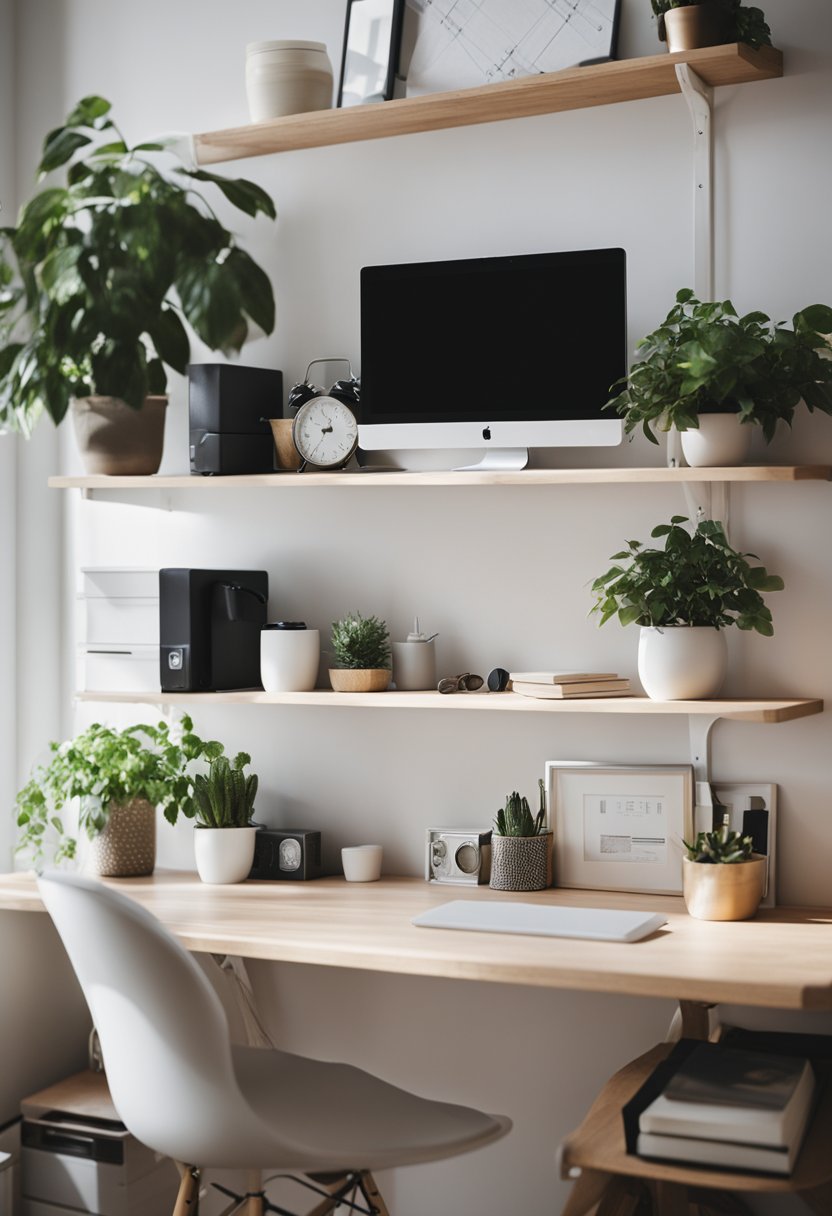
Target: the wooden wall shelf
(659, 474)
(744, 710)
(547, 93)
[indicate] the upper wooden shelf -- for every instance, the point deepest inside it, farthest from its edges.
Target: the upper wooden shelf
(450, 477)
(744, 710)
(546, 93)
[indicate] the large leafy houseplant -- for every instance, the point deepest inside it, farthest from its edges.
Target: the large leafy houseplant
(740, 23)
(704, 358)
(697, 579)
(104, 768)
(99, 273)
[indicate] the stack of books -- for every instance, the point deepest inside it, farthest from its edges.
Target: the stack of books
(561, 685)
(724, 1107)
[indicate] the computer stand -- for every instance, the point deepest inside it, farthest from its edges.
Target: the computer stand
(498, 460)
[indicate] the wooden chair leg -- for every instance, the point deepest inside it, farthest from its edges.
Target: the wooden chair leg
(589, 1187)
(187, 1199)
(368, 1188)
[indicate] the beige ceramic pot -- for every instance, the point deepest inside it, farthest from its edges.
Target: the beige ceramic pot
(126, 848)
(115, 439)
(696, 25)
(359, 679)
(723, 892)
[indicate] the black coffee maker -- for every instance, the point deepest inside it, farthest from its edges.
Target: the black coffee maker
(209, 628)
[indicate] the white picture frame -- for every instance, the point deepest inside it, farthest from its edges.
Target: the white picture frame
(738, 798)
(619, 827)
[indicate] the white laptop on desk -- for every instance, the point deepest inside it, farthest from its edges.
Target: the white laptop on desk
(493, 916)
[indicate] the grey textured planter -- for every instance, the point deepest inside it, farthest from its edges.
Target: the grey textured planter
(521, 863)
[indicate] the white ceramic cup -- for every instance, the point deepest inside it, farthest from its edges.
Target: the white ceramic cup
(289, 657)
(362, 862)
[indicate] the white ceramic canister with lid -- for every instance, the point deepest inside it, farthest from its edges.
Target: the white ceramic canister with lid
(287, 77)
(289, 656)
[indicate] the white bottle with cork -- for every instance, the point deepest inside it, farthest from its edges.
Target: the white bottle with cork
(414, 661)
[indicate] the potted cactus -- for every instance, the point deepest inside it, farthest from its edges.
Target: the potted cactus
(722, 878)
(223, 831)
(521, 846)
(361, 649)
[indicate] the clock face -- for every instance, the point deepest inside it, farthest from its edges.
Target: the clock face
(325, 432)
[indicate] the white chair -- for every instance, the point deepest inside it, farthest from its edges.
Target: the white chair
(184, 1089)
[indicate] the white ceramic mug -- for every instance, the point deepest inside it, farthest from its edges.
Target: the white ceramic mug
(289, 656)
(362, 862)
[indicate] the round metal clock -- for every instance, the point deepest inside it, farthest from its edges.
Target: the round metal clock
(325, 433)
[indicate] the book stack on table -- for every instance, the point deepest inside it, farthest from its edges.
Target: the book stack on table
(723, 1107)
(563, 685)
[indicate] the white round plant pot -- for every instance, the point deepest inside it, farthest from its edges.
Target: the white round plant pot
(224, 854)
(721, 441)
(289, 657)
(681, 662)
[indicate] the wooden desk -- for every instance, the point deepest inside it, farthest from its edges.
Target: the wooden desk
(782, 959)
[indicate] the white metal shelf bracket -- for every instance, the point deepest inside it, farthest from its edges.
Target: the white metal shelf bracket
(700, 726)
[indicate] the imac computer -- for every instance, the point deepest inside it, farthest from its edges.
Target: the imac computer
(502, 353)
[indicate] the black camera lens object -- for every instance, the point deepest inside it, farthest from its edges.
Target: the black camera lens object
(498, 679)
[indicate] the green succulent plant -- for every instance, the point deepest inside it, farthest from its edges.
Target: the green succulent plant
(720, 847)
(742, 24)
(360, 642)
(516, 819)
(224, 797)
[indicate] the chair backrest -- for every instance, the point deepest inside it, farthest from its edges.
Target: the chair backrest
(163, 1031)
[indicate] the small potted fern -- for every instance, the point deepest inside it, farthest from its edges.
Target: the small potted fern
(223, 833)
(722, 878)
(521, 846)
(361, 649)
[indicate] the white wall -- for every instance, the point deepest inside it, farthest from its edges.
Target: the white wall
(502, 574)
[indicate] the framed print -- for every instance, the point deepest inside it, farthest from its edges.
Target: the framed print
(458, 44)
(750, 807)
(369, 61)
(620, 827)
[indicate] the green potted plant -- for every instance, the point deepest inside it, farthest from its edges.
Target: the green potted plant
(521, 846)
(223, 831)
(688, 24)
(97, 277)
(361, 651)
(119, 778)
(684, 596)
(722, 878)
(711, 374)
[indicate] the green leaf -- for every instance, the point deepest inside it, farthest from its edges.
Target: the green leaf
(243, 194)
(88, 111)
(255, 289)
(171, 340)
(60, 147)
(817, 317)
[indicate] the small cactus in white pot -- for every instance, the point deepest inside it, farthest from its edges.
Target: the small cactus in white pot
(521, 846)
(223, 832)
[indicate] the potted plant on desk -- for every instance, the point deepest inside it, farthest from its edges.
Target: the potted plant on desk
(683, 596)
(713, 375)
(521, 846)
(361, 649)
(722, 878)
(223, 831)
(119, 778)
(688, 24)
(96, 278)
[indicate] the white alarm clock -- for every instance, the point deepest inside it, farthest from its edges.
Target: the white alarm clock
(325, 433)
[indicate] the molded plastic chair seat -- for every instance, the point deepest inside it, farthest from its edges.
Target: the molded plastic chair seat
(182, 1088)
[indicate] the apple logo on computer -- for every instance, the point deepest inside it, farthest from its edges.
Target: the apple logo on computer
(486, 432)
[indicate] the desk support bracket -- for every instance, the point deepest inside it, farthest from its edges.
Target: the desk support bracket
(699, 98)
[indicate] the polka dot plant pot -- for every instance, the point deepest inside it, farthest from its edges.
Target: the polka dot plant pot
(126, 848)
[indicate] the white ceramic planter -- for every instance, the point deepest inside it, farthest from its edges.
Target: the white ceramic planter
(224, 855)
(289, 77)
(289, 659)
(681, 662)
(721, 441)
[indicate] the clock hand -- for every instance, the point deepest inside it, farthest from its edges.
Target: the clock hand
(326, 430)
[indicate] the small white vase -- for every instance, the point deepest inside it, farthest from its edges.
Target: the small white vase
(289, 657)
(721, 441)
(289, 77)
(681, 662)
(224, 854)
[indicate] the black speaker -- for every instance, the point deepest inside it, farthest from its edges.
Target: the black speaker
(209, 628)
(280, 854)
(229, 409)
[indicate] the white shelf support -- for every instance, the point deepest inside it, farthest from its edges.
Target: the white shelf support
(699, 97)
(700, 726)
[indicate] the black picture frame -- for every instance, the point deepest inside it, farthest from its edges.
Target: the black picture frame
(392, 12)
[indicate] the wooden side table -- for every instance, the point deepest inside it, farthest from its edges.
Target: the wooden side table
(622, 1184)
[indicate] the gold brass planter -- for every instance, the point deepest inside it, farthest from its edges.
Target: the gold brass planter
(723, 892)
(359, 679)
(696, 25)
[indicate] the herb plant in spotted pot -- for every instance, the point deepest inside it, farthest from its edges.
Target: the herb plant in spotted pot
(223, 831)
(119, 778)
(521, 846)
(684, 596)
(688, 24)
(361, 650)
(713, 376)
(722, 878)
(97, 278)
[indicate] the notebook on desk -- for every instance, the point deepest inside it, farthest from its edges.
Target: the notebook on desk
(493, 916)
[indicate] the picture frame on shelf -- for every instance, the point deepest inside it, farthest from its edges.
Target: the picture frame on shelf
(619, 827)
(370, 54)
(459, 44)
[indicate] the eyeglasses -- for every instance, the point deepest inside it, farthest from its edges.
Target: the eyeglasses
(464, 683)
